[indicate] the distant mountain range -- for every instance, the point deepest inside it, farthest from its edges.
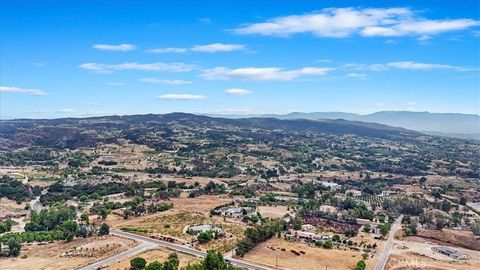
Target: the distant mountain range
(443, 124)
(86, 132)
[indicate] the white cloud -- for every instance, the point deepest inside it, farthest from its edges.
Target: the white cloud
(208, 48)
(345, 22)
(181, 97)
(404, 65)
(28, 91)
(107, 68)
(165, 81)
(238, 91)
(361, 76)
(168, 50)
(261, 74)
(218, 47)
(421, 66)
(66, 110)
(114, 48)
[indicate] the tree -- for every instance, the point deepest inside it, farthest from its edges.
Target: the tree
(384, 228)
(138, 263)
(172, 262)
(155, 265)
(336, 238)
(475, 228)
(413, 227)
(104, 213)
(360, 265)
(85, 218)
(204, 237)
(14, 247)
(463, 200)
(104, 229)
(423, 179)
(70, 229)
(297, 223)
(440, 223)
(367, 228)
(213, 261)
(328, 244)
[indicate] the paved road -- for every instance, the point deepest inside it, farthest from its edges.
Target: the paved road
(383, 258)
(149, 243)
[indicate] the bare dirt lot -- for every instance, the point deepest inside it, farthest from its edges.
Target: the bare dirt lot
(464, 239)
(201, 204)
(159, 254)
(273, 211)
(416, 253)
(313, 259)
(54, 256)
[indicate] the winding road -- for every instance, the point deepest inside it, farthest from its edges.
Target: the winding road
(383, 258)
(147, 243)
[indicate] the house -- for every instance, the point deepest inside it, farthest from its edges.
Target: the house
(362, 221)
(196, 229)
(331, 185)
(452, 253)
(309, 236)
(353, 192)
(237, 212)
(308, 227)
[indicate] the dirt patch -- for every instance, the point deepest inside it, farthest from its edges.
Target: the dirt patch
(464, 239)
(309, 258)
(273, 211)
(63, 255)
(202, 204)
(410, 260)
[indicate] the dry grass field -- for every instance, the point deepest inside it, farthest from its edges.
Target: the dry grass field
(314, 258)
(201, 204)
(176, 224)
(53, 256)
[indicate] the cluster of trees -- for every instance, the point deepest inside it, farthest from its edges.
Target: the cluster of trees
(210, 188)
(405, 205)
(213, 261)
(64, 231)
(308, 190)
(14, 190)
(59, 192)
(14, 240)
(171, 263)
(47, 220)
(205, 237)
(80, 160)
(412, 224)
(356, 209)
(138, 209)
(6, 225)
(258, 234)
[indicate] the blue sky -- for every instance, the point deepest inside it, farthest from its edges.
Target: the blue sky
(88, 58)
